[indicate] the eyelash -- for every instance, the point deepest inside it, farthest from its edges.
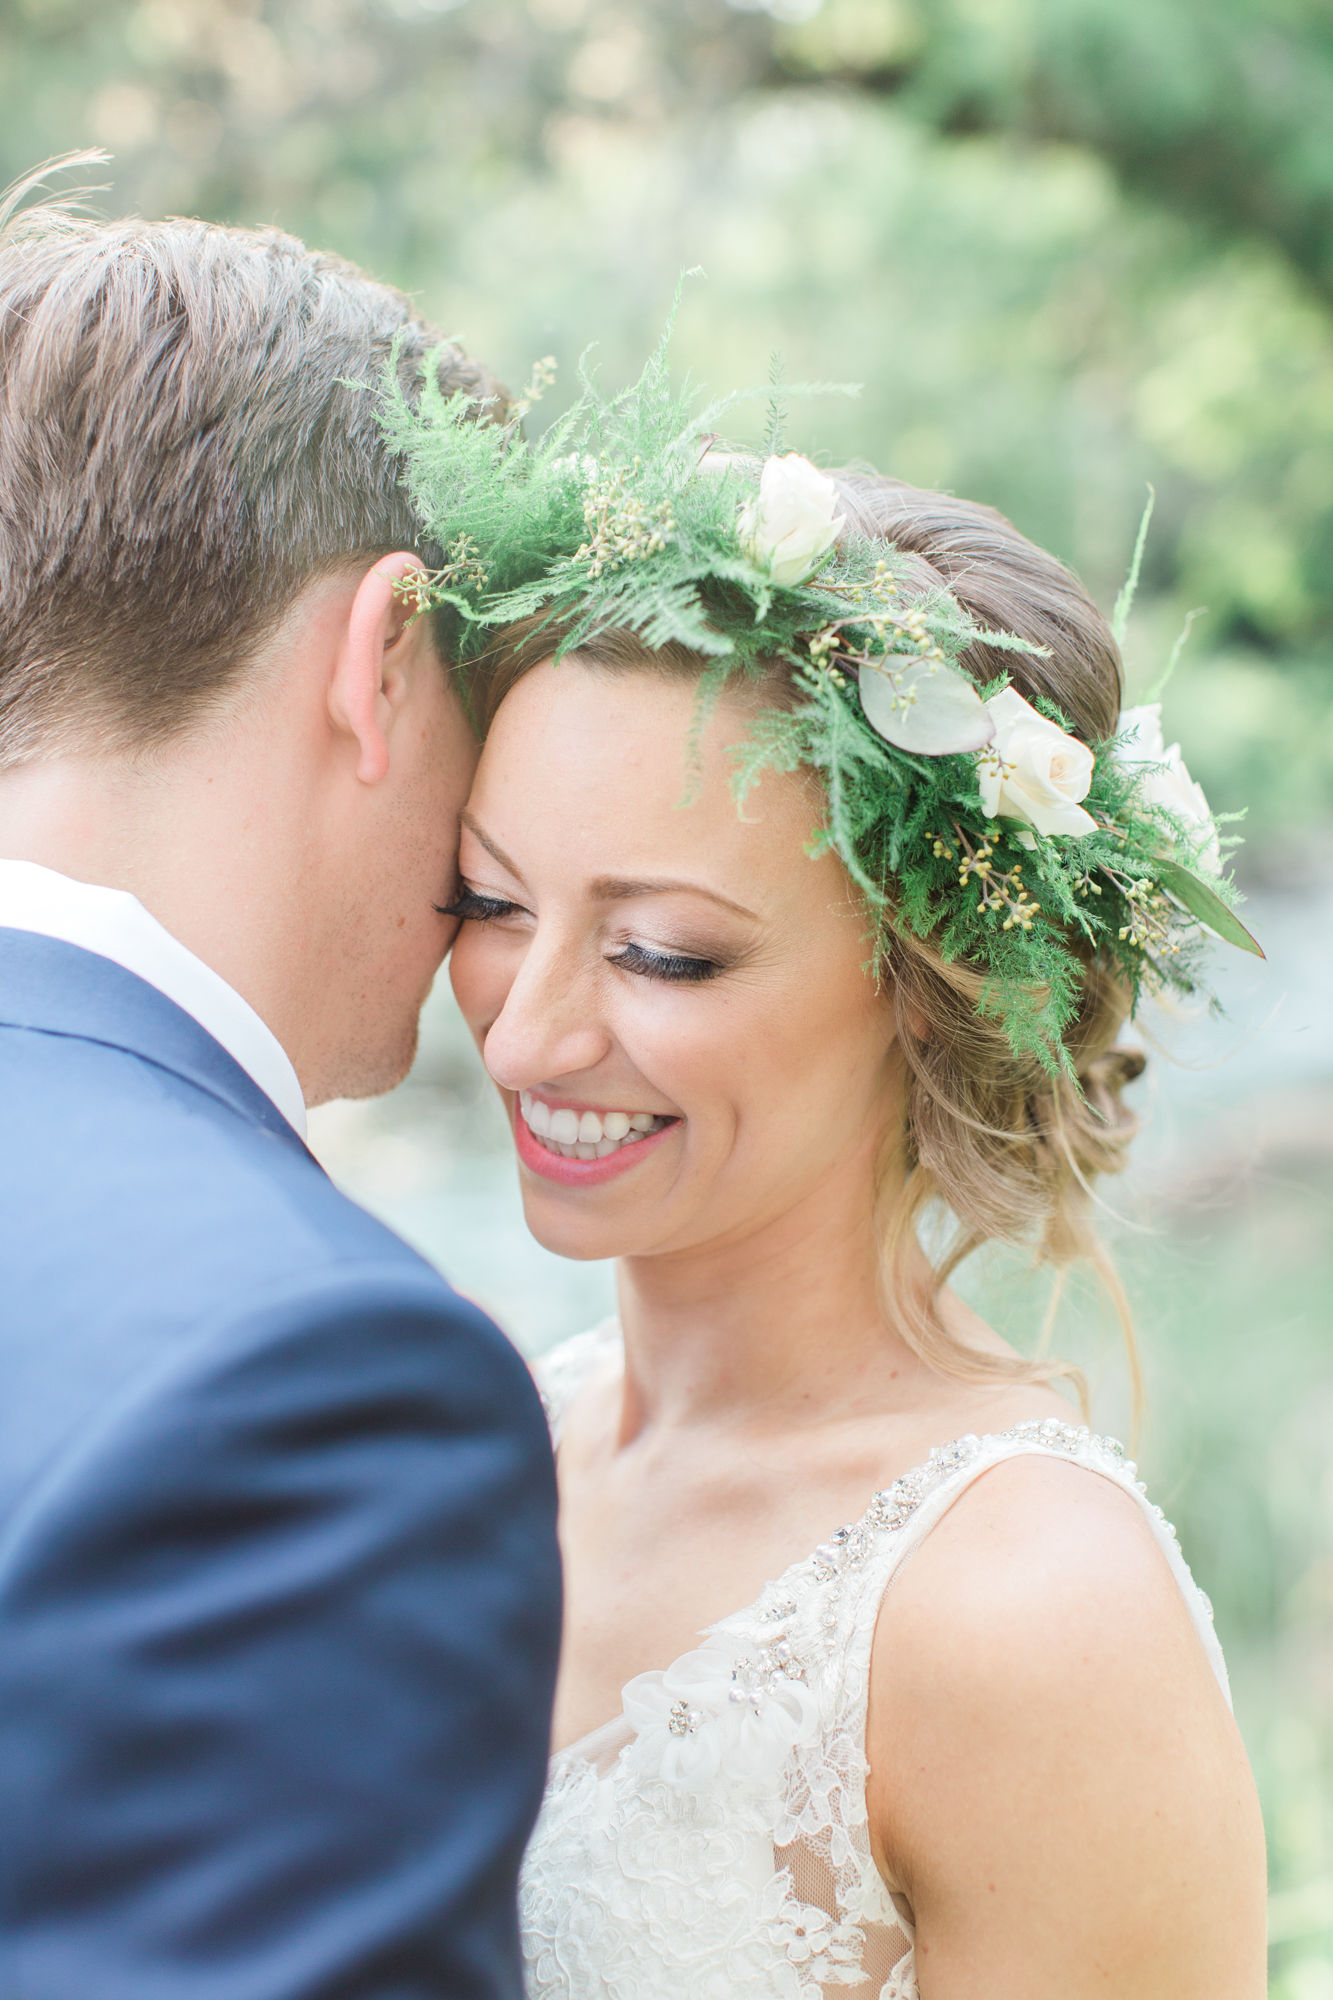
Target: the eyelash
(671, 965)
(674, 966)
(475, 909)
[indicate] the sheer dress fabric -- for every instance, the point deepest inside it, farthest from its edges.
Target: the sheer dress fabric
(711, 1843)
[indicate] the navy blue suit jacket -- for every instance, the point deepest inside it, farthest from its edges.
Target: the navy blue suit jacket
(279, 1591)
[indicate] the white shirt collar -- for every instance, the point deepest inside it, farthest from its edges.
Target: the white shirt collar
(116, 925)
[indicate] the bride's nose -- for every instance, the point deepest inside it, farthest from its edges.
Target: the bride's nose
(548, 1028)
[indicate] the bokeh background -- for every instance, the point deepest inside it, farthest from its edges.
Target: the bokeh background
(1070, 247)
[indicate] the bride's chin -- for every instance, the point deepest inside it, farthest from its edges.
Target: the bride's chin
(576, 1246)
(585, 1235)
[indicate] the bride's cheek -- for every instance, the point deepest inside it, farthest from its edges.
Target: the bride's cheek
(480, 975)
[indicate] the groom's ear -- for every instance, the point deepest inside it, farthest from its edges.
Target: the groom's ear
(369, 679)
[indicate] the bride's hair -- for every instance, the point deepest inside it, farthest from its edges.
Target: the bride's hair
(1007, 1149)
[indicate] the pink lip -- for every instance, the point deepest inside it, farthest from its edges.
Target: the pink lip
(579, 1173)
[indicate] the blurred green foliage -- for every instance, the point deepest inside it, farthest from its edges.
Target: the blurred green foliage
(1219, 109)
(1070, 247)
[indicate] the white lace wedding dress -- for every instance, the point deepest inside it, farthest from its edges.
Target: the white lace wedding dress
(711, 1843)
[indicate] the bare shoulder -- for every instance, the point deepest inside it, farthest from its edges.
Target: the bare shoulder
(1051, 1755)
(1041, 1597)
(1041, 1538)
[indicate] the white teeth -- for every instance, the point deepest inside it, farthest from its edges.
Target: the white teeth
(587, 1135)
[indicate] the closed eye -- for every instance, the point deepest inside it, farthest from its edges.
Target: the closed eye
(474, 908)
(663, 964)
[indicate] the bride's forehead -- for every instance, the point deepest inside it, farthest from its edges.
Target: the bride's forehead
(581, 707)
(661, 734)
(589, 775)
(601, 778)
(639, 739)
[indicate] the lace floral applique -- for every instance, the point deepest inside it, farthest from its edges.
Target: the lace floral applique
(821, 1946)
(901, 1982)
(714, 1710)
(723, 1852)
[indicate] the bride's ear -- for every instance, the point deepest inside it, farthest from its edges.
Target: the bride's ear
(918, 1022)
(367, 685)
(905, 1013)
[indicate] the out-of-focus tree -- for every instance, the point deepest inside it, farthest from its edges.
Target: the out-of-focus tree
(1069, 245)
(1219, 109)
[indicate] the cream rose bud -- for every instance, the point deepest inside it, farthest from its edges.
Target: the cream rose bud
(793, 523)
(1032, 771)
(1164, 779)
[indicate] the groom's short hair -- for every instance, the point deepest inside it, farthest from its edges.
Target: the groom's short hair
(185, 440)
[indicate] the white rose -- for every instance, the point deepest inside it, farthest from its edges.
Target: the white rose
(1163, 777)
(1032, 771)
(793, 524)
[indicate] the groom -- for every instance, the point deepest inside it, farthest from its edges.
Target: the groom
(279, 1593)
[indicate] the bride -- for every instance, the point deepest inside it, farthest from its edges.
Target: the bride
(881, 1675)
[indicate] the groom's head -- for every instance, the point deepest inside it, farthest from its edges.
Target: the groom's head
(200, 523)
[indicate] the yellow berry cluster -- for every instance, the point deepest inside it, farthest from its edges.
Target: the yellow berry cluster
(622, 528)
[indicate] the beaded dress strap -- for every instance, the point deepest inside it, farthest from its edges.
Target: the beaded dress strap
(901, 1517)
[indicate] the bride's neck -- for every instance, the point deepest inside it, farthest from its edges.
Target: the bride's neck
(781, 1326)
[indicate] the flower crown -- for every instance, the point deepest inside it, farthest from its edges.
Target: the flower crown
(964, 813)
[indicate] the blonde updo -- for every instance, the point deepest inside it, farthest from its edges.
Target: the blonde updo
(1010, 1152)
(989, 1138)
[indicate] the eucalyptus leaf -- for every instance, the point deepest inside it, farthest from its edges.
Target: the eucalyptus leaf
(925, 706)
(1205, 904)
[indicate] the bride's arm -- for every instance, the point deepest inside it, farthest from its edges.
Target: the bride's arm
(1057, 1786)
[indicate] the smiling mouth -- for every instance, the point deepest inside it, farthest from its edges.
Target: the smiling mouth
(587, 1135)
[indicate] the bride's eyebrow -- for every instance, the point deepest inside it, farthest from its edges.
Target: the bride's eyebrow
(496, 853)
(609, 888)
(615, 888)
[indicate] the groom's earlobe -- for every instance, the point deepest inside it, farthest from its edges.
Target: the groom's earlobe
(361, 697)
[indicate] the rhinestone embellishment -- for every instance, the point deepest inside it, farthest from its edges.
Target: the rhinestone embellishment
(745, 1713)
(754, 1680)
(892, 1508)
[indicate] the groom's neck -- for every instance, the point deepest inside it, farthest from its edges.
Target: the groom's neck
(210, 838)
(303, 840)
